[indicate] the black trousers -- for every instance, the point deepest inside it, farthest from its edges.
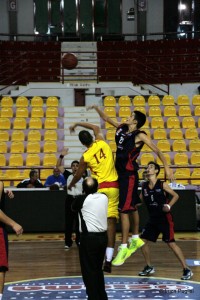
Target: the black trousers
(91, 252)
(71, 222)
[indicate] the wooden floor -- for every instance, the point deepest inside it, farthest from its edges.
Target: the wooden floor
(43, 256)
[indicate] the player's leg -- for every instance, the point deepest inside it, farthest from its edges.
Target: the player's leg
(2, 281)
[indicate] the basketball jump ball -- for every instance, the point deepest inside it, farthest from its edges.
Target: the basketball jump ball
(69, 61)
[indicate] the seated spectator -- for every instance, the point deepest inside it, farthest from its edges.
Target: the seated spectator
(55, 178)
(32, 182)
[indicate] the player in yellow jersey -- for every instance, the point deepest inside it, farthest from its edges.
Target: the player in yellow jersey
(99, 159)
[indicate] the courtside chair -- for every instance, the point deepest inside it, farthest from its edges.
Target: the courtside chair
(157, 122)
(188, 122)
(196, 100)
(32, 160)
(173, 122)
(183, 100)
(197, 110)
(124, 112)
(50, 147)
(33, 147)
(22, 112)
(19, 123)
(37, 101)
(50, 135)
(4, 136)
(195, 177)
(17, 147)
(169, 111)
(109, 101)
(52, 101)
(159, 134)
(124, 101)
(179, 146)
(184, 111)
(35, 123)
(5, 123)
(6, 112)
(49, 160)
(194, 145)
(141, 109)
(7, 101)
(164, 145)
(34, 135)
(15, 160)
(52, 112)
(145, 158)
(110, 111)
(3, 147)
(176, 134)
(138, 101)
(181, 159)
(22, 101)
(154, 111)
(153, 100)
(2, 160)
(191, 133)
(17, 135)
(168, 100)
(37, 112)
(195, 158)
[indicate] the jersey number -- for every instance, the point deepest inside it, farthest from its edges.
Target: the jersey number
(101, 155)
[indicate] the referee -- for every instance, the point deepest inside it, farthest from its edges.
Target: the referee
(92, 208)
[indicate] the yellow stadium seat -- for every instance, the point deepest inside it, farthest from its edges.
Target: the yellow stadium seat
(15, 160)
(17, 147)
(181, 159)
(146, 125)
(188, 122)
(5, 123)
(175, 134)
(139, 101)
(157, 122)
(50, 123)
(124, 101)
(195, 177)
(113, 146)
(37, 101)
(35, 123)
(169, 111)
(7, 101)
(34, 135)
(198, 122)
(153, 100)
(168, 100)
(52, 112)
(167, 157)
(148, 132)
(161, 175)
(37, 112)
(182, 176)
(110, 111)
(12, 174)
(50, 146)
(159, 134)
(50, 135)
(19, 123)
(196, 100)
(33, 147)
(191, 133)
(3, 147)
(194, 145)
(173, 122)
(22, 112)
(108, 125)
(146, 148)
(154, 111)
(145, 158)
(44, 173)
(6, 112)
(184, 111)
(4, 136)
(109, 101)
(197, 110)
(22, 101)
(179, 146)
(141, 109)
(2, 160)
(164, 145)
(17, 135)
(32, 160)
(183, 100)
(124, 112)
(110, 135)
(195, 158)
(49, 160)
(52, 101)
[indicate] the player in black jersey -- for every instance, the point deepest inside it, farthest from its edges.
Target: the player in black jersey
(154, 195)
(130, 140)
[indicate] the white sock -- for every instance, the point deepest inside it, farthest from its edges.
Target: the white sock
(135, 236)
(109, 253)
(123, 245)
(1, 295)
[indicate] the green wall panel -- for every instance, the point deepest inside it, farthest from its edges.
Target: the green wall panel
(114, 16)
(70, 17)
(41, 16)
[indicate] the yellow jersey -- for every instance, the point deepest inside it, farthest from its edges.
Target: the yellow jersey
(99, 159)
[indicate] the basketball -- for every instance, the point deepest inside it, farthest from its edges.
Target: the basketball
(69, 61)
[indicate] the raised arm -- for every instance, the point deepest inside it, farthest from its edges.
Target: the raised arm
(96, 129)
(59, 161)
(104, 116)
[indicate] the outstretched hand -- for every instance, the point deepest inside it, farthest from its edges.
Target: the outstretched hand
(170, 174)
(91, 107)
(72, 128)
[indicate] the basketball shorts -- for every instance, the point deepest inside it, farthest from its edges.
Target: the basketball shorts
(113, 201)
(128, 192)
(3, 250)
